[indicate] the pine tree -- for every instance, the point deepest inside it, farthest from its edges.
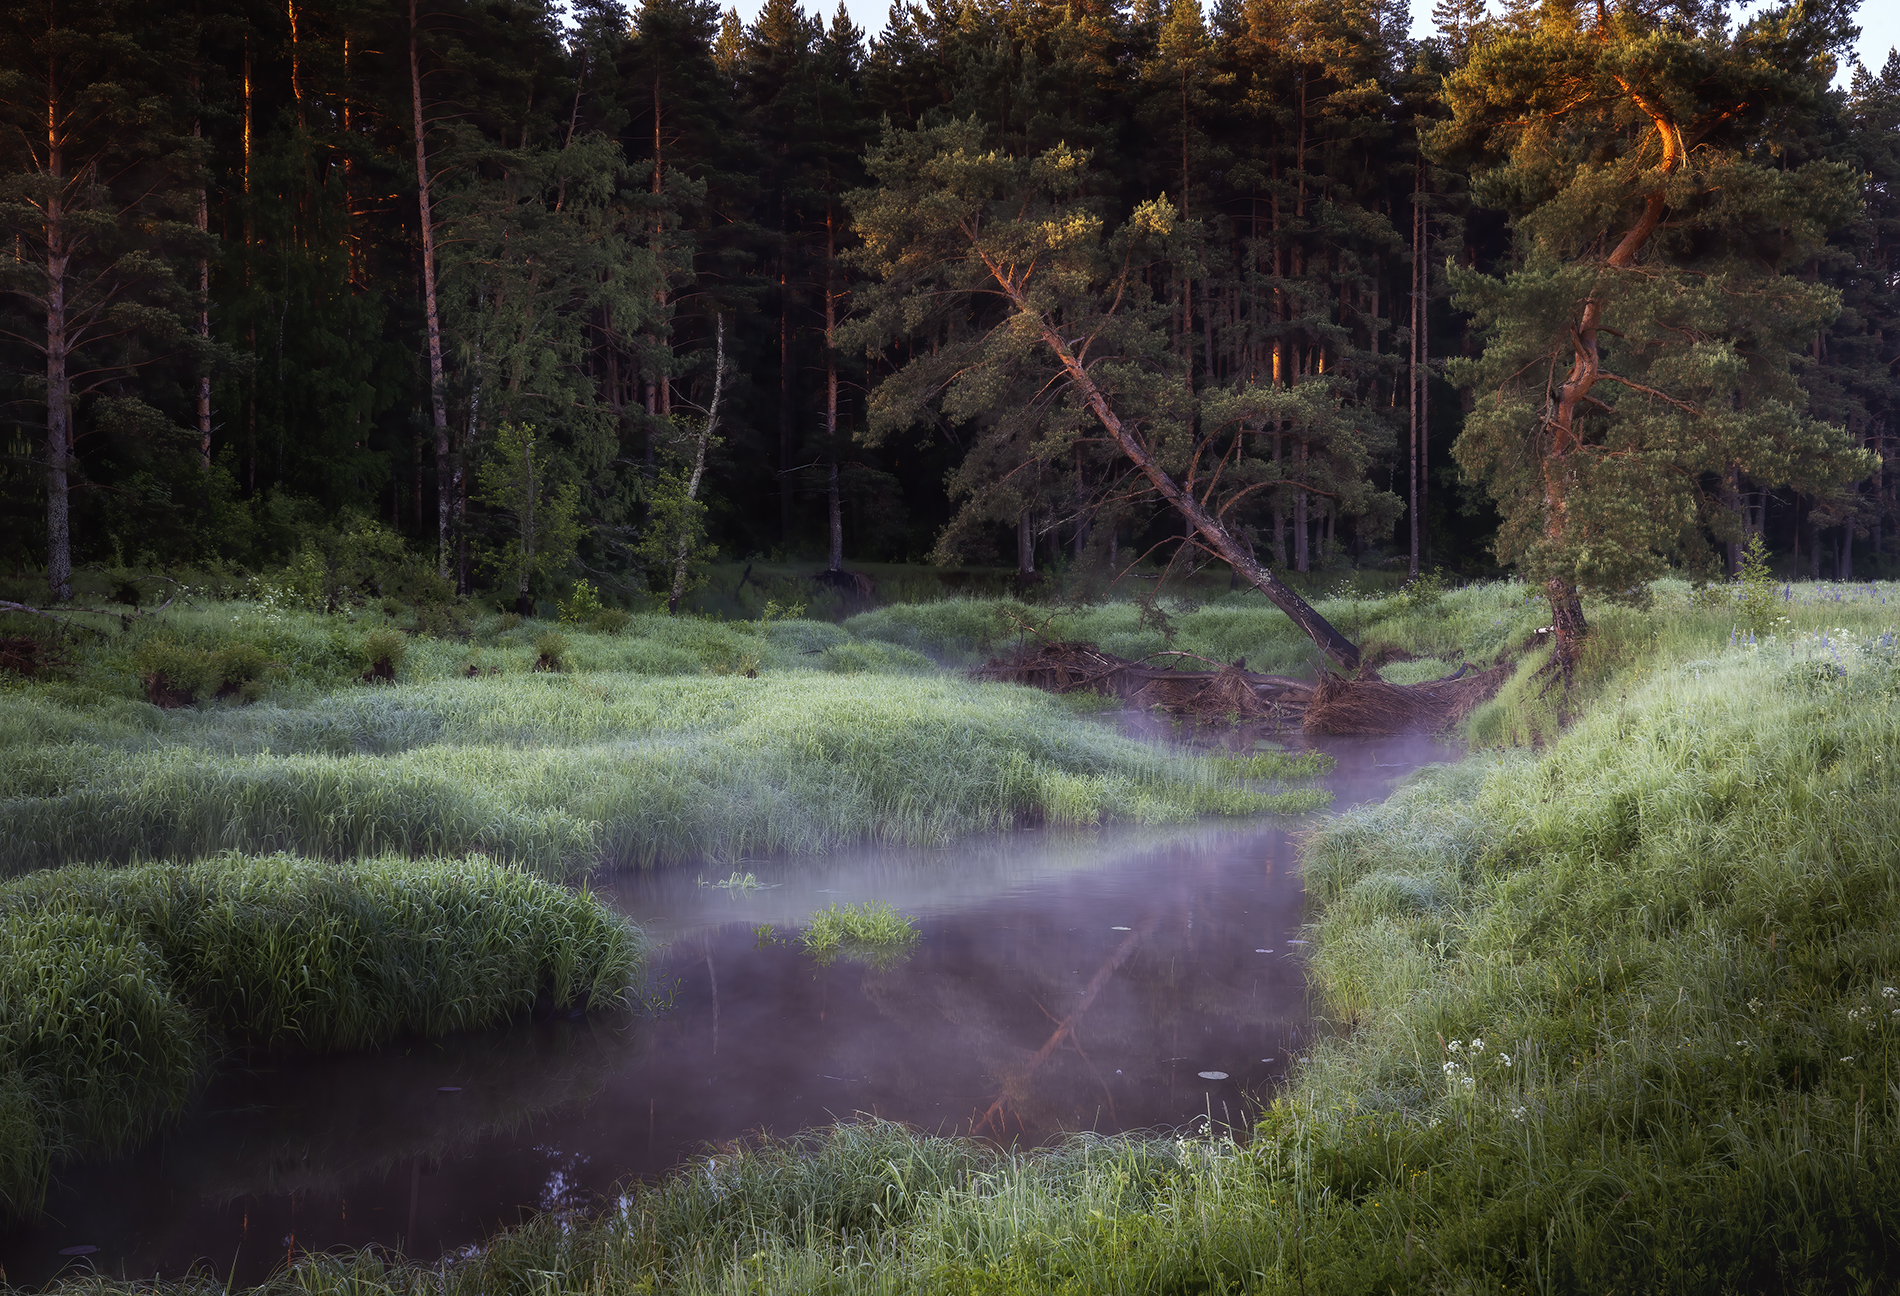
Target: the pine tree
(1008, 267)
(1641, 350)
(98, 193)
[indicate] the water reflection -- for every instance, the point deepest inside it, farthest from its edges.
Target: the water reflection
(1078, 980)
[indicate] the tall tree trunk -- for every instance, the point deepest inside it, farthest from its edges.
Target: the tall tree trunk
(1418, 330)
(524, 569)
(1025, 546)
(1560, 432)
(660, 387)
(204, 301)
(699, 465)
(785, 422)
(59, 413)
(834, 505)
(1302, 559)
(438, 392)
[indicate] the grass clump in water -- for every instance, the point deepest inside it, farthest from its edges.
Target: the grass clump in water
(121, 985)
(872, 932)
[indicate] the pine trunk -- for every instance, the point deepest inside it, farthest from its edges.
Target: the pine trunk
(834, 505)
(1208, 530)
(445, 492)
(59, 413)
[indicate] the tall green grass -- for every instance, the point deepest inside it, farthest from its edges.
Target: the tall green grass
(1618, 1015)
(119, 985)
(557, 772)
(293, 656)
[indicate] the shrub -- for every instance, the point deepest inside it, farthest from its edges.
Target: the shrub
(582, 606)
(1756, 598)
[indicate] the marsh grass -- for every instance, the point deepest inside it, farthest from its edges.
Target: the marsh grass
(560, 772)
(1616, 1014)
(872, 932)
(121, 985)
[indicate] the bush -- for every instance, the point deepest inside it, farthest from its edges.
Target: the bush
(177, 675)
(582, 606)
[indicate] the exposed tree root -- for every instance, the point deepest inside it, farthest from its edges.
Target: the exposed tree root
(1335, 705)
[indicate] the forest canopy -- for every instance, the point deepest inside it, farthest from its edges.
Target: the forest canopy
(1589, 290)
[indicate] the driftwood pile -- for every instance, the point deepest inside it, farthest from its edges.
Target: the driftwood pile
(1334, 705)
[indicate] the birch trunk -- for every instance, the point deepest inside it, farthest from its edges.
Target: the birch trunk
(706, 435)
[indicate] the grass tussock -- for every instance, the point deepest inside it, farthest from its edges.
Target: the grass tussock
(557, 771)
(872, 932)
(121, 985)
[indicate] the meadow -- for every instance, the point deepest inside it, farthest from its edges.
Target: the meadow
(1614, 1005)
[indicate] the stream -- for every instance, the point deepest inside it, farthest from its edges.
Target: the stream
(1110, 980)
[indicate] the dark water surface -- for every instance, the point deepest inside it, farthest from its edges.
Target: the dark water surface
(1108, 980)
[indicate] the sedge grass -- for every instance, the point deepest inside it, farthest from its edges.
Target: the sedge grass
(1615, 1015)
(119, 984)
(872, 932)
(557, 772)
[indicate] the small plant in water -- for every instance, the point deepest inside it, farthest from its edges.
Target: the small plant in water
(873, 933)
(736, 883)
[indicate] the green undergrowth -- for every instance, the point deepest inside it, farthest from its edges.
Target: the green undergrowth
(1626, 644)
(122, 985)
(556, 772)
(1478, 623)
(227, 653)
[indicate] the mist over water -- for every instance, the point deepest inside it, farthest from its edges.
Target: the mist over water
(1107, 980)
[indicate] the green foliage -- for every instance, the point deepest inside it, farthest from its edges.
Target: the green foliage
(384, 650)
(518, 480)
(550, 648)
(1756, 598)
(872, 932)
(177, 674)
(1640, 352)
(120, 983)
(583, 605)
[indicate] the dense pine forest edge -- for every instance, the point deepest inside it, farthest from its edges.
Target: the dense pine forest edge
(538, 297)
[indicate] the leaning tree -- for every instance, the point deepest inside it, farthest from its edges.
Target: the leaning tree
(1025, 317)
